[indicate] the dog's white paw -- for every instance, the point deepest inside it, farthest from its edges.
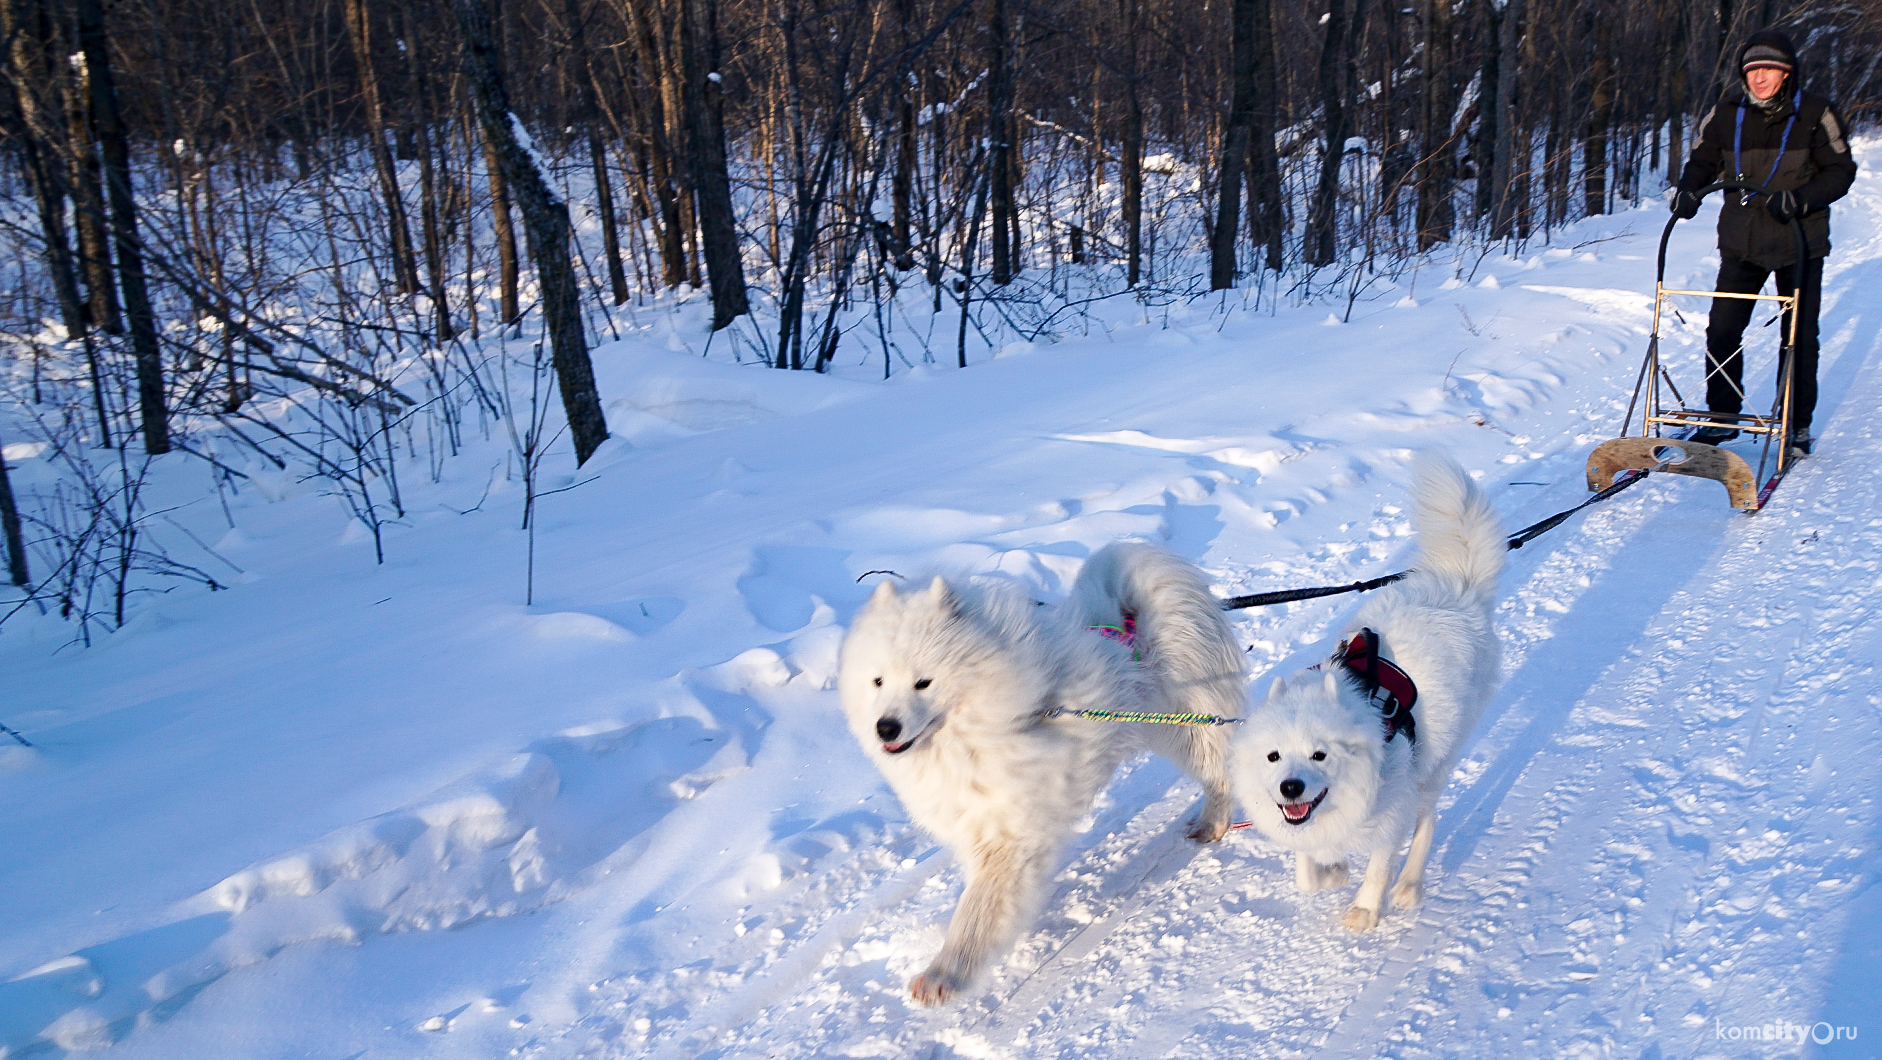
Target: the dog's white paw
(935, 986)
(1408, 894)
(1313, 877)
(1359, 918)
(1207, 830)
(1212, 823)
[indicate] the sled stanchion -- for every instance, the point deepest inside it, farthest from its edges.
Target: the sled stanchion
(1516, 540)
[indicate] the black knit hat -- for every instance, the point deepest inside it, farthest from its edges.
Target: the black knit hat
(1765, 57)
(1770, 50)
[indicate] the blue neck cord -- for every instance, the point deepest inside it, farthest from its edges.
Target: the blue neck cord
(1738, 139)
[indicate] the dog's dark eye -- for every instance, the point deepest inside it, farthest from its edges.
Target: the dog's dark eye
(1274, 756)
(878, 682)
(1319, 756)
(923, 683)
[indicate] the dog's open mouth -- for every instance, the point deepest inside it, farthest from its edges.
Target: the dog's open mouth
(1298, 812)
(898, 748)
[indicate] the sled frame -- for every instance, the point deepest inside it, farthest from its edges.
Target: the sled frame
(1654, 449)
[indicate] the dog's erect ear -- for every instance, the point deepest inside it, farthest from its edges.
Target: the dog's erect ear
(1355, 748)
(885, 591)
(944, 597)
(1333, 681)
(1277, 690)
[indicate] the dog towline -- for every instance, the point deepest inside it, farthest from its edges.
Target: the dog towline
(1391, 689)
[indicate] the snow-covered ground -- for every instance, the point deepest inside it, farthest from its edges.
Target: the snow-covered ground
(347, 810)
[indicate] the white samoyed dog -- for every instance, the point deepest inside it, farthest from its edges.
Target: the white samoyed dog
(1352, 754)
(961, 694)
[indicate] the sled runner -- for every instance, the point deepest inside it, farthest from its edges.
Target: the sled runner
(1663, 443)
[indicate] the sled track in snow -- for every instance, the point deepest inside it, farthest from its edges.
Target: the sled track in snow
(1530, 819)
(1531, 823)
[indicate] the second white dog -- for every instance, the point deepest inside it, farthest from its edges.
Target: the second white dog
(1352, 754)
(961, 693)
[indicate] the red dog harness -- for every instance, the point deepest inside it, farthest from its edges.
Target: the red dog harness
(1388, 687)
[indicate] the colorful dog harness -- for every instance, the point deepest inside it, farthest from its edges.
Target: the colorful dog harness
(1124, 633)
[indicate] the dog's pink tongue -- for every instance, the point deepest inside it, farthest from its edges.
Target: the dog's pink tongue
(1295, 811)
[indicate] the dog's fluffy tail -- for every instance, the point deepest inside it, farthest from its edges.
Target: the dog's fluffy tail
(1182, 632)
(1459, 535)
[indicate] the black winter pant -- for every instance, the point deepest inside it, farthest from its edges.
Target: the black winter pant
(1725, 330)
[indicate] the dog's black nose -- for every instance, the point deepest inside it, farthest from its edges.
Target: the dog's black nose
(888, 729)
(1290, 788)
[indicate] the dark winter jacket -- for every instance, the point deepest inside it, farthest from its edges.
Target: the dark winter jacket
(1816, 164)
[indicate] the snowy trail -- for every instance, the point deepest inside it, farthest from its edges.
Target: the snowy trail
(1581, 735)
(636, 807)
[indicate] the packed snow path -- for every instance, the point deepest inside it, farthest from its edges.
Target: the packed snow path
(251, 815)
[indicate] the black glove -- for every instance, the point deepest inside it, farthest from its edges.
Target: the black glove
(1685, 205)
(1785, 206)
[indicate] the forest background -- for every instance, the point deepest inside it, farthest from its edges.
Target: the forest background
(286, 235)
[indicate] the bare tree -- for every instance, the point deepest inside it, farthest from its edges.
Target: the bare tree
(712, 185)
(41, 140)
(10, 529)
(546, 220)
(1436, 211)
(359, 33)
(114, 140)
(1322, 238)
(1237, 132)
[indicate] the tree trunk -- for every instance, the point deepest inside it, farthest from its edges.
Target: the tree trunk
(508, 308)
(22, 22)
(1131, 165)
(1235, 147)
(404, 260)
(967, 270)
(1267, 222)
(88, 203)
(1503, 167)
(1525, 180)
(907, 157)
(117, 164)
(545, 219)
(1555, 167)
(703, 103)
(1594, 152)
(10, 529)
(429, 220)
(48, 193)
(1322, 227)
(999, 142)
(660, 155)
(610, 231)
(583, 76)
(1436, 212)
(1491, 113)
(1676, 101)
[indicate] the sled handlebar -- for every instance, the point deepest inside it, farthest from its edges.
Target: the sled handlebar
(1797, 227)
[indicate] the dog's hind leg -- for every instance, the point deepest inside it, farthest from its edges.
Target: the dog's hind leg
(1365, 909)
(1005, 885)
(1203, 753)
(1410, 889)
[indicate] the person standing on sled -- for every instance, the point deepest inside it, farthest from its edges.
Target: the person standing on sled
(1767, 131)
